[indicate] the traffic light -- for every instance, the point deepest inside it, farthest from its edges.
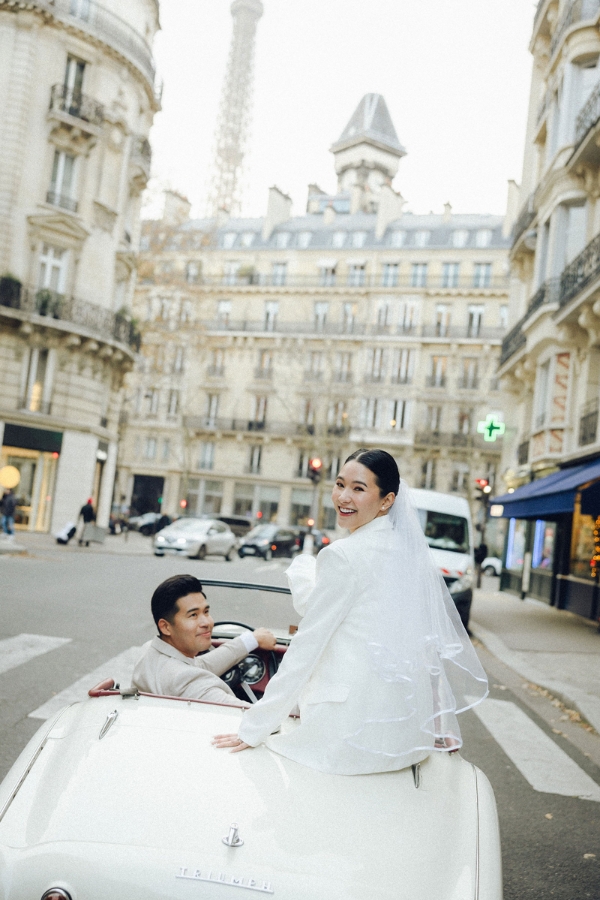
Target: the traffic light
(483, 489)
(315, 469)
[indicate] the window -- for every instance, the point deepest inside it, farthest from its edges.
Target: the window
(465, 421)
(399, 415)
(442, 320)
(418, 275)
(62, 183)
(178, 361)
(230, 272)
(303, 461)
(408, 316)
(482, 275)
(321, 310)
(223, 312)
(403, 366)
(228, 240)
(383, 316)
(301, 506)
(460, 478)
(428, 475)
(433, 418)
(469, 379)
(358, 239)
(212, 409)
(304, 239)
(375, 364)
(150, 448)
(338, 239)
(398, 239)
(173, 407)
(192, 272)
(437, 378)
(337, 416)
(504, 317)
(279, 273)
(389, 275)
(343, 367)
(153, 397)
(216, 368)
(460, 238)
(213, 498)
(542, 394)
(165, 308)
(248, 239)
(327, 276)
(265, 364)
(258, 416)
(349, 315)
(186, 312)
(308, 414)
(74, 72)
(475, 321)
(421, 238)
(206, 458)
(39, 382)
(243, 499)
(166, 449)
(282, 239)
(254, 459)
(483, 237)
(53, 268)
(369, 412)
(450, 273)
(356, 275)
(314, 371)
(271, 313)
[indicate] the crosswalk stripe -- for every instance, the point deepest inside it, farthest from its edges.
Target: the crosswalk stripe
(22, 648)
(546, 767)
(119, 667)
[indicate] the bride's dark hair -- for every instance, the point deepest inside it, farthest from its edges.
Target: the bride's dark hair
(383, 466)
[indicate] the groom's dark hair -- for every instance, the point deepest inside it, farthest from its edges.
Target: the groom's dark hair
(166, 596)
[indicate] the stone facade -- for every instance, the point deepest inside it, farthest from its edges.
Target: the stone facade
(78, 97)
(270, 341)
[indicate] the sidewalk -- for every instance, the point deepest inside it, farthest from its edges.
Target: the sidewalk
(554, 649)
(131, 544)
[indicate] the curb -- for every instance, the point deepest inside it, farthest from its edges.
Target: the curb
(588, 705)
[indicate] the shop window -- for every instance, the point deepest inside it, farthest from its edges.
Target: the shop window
(243, 499)
(515, 551)
(268, 503)
(582, 544)
(543, 545)
(301, 504)
(213, 496)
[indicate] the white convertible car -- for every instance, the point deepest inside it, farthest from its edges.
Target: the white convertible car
(122, 797)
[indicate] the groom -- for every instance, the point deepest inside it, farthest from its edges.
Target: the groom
(179, 662)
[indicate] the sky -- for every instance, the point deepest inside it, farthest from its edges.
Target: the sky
(455, 75)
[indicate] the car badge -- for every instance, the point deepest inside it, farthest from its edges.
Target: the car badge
(250, 884)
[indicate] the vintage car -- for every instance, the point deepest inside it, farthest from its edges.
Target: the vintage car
(122, 796)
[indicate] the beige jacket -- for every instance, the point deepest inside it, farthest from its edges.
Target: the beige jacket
(164, 670)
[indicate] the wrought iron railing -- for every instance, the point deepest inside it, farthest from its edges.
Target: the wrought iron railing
(468, 384)
(526, 217)
(373, 280)
(454, 439)
(485, 333)
(74, 103)
(549, 292)
(588, 116)
(64, 308)
(61, 200)
(514, 340)
(436, 381)
(576, 11)
(523, 453)
(584, 269)
(588, 423)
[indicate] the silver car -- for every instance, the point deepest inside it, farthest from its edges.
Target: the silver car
(196, 538)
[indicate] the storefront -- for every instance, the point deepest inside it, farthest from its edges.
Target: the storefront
(34, 452)
(552, 549)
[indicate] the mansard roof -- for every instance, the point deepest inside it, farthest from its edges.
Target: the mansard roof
(371, 123)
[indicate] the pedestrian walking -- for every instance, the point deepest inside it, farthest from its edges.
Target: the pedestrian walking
(87, 515)
(8, 504)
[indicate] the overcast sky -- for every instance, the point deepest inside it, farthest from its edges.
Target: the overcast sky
(455, 75)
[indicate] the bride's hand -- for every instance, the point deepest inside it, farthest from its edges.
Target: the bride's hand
(220, 741)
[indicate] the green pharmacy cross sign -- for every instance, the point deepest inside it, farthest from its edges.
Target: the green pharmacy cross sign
(491, 428)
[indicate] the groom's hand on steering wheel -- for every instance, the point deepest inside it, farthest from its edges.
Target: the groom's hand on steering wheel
(265, 638)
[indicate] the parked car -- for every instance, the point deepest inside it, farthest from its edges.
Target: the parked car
(196, 538)
(491, 565)
(102, 803)
(240, 525)
(269, 541)
(446, 521)
(320, 539)
(145, 524)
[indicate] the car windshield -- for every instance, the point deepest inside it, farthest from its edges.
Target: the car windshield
(444, 531)
(191, 525)
(265, 532)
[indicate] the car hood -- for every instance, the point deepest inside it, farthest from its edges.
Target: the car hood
(141, 813)
(450, 564)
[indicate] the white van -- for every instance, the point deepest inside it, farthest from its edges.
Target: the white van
(446, 521)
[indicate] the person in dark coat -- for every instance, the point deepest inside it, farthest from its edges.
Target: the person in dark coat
(8, 504)
(88, 515)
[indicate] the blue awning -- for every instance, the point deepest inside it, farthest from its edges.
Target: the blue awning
(553, 494)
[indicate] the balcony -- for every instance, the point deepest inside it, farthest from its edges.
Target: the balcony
(245, 278)
(577, 11)
(77, 105)
(579, 274)
(263, 374)
(36, 405)
(468, 384)
(63, 308)
(588, 117)
(588, 423)
(276, 326)
(342, 377)
(215, 371)
(61, 200)
(526, 217)
(436, 381)
(213, 423)
(454, 439)
(401, 379)
(549, 293)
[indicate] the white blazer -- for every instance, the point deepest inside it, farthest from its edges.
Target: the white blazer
(327, 669)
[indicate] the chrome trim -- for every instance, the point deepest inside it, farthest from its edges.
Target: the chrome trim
(109, 722)
(416, 770)
(233, 839)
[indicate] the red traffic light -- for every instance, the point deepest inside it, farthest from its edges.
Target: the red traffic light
(316, 464)
(481, 483)
(183, 504)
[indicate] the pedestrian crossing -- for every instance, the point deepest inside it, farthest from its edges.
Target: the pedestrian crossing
(545, 766)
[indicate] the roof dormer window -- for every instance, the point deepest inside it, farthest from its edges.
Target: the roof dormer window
(460, 238)
(282, 239)
(398, 238)
(338, 239)
(359, 238)
(248, 239)
(304, 239)
(483, 238)
(421, 238)
(228, 240)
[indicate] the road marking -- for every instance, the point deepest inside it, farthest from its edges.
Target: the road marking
(119, 667)
(15, 651)
(546, 767)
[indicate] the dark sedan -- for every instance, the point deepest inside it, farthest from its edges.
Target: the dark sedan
(269, 541)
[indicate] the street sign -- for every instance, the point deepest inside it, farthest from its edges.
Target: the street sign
(491, 429)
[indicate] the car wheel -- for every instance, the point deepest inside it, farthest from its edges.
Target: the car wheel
(230, 554)
(158, 554)
(489, 570)
(201, 554)
(268, 554)
(241, 553)
(145, 530)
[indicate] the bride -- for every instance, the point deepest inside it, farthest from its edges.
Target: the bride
(381, 664)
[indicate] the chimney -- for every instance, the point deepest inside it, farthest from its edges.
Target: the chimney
(512, 207)
(329, 215)
(177, 208)
(313, 204)
(447, 213)
(279, 210)
(389, 209)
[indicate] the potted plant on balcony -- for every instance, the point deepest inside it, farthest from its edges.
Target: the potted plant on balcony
(48, 303)
(127, 329)
(10, 291)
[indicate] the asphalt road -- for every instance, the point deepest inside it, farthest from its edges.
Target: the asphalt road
(100, 602)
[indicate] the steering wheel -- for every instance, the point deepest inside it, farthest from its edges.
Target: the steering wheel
(233, 677)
